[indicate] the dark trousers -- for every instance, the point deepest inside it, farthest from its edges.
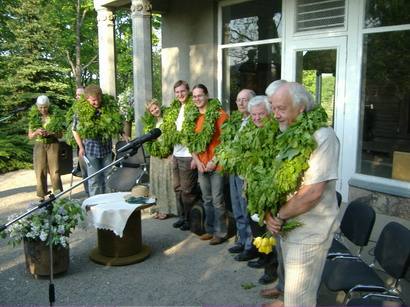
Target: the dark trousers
(185, 186)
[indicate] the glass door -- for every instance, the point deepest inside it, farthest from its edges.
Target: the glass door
(316, 70)
(320, 65)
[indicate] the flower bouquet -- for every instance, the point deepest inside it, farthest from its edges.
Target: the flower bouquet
(66, 215)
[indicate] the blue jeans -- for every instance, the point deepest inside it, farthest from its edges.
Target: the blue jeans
(211, 184)
(96, 184)
(240, 213)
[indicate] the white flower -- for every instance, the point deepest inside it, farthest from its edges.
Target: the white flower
(43, 235)
(66, 214)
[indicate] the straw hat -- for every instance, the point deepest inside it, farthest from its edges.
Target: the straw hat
(140, 190)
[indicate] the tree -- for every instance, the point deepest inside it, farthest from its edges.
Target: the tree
(27, 61)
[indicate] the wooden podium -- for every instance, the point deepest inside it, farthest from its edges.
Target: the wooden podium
(111, 211)
(112, 250)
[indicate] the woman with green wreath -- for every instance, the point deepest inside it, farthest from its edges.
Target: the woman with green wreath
(45, 126)
(203, 141)
(160, 171)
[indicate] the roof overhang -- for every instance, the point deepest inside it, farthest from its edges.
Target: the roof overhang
(157, 5)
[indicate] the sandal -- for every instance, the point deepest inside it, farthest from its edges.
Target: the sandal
(162, 216)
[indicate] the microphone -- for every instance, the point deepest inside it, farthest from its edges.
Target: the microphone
(152, 135)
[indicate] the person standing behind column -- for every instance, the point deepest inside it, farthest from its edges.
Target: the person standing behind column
(46, 124)
(79, 92)
(96, 121)
(185, 175)
(202, 145)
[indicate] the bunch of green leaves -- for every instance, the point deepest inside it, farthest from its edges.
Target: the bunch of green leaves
(198, 141)
(56, 124)
(250, 147)
(272, 163)
(170, 136)
(279, 170)
(231, 127)
(66, 215)
(103, 127)
(156, 148)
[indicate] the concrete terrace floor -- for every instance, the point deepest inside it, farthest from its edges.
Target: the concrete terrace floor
(181, 271)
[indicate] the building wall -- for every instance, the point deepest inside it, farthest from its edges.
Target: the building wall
(189, 45)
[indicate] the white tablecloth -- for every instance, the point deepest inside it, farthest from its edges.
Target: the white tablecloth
(111, 211)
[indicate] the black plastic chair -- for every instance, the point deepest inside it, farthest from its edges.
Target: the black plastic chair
(356, 225)
(376, 299)
(130, 171)
(351, 275)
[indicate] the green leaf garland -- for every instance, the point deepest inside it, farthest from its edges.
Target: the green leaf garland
(272, 163)
(103, 127)
(198, 141)
(56, 124)
(157, 148)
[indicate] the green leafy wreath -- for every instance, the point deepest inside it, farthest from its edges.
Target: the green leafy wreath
(231, 127)
(271, 162)
(56, 124)
(198, 141)
(170, 135)
(157, 148)
(103, 127)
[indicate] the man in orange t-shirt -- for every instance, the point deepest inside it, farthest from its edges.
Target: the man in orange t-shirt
(210, 181)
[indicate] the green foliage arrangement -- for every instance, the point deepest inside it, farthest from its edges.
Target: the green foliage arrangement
(231, 127)
(66, 215)
(56, 124)
(103, 127)
(198, 141)
(157, 148)
(272, 162)
(170, 136)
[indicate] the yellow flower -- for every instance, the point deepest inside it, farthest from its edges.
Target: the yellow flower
(264, 244)
(257, 242)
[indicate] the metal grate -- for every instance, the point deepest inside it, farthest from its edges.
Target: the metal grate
(319, 14)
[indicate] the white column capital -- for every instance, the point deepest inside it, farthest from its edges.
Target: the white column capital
(105, 16)
(141, 8)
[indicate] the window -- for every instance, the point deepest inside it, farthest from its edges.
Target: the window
(319, 14)
(251, 49)
(380, 13)
(251, 21)
(385, 129)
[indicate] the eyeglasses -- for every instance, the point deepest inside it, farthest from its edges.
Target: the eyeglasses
(242, 100)
(198, 96)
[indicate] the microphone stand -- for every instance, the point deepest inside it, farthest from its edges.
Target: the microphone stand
(48, 204)
(12, 113)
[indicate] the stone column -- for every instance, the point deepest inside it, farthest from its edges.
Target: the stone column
(142, 55)
(106, 50)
